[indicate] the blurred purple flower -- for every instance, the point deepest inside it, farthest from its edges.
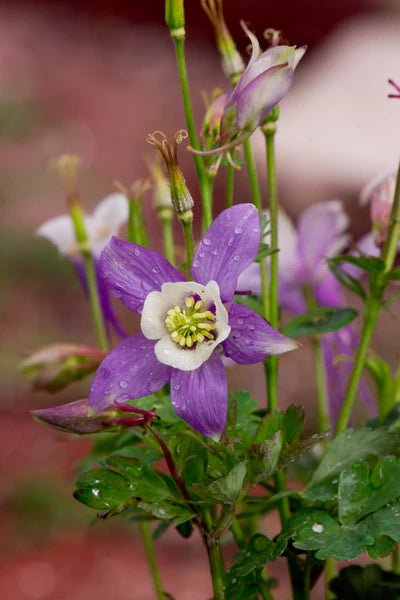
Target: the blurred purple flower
(320, 234)
(105, 221)
(184, 322)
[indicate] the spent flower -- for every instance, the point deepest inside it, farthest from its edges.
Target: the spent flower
(184, 324)
(232, 62)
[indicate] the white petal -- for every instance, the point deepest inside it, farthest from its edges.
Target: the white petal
(153, 316)
(169, 353)
(60, 232)
(113, 211)
(106, 221)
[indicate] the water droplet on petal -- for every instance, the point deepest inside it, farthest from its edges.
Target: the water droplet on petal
(124, 383)
(207, 241)
(176, 386)
(155, 270)
(196, 263)
(166, 351)
(238, 230)
(318, 528)
(230, 241)
(137, 251)
(201, 254)
(240, 321)
(255, 230)
(252, 327)
(236, 257)
(215, 252)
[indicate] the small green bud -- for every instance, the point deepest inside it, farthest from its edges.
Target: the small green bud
(175, 18)
(181, 198)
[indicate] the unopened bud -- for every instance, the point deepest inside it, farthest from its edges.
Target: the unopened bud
(78, 417)
(232, 62)
(67, 169)
(212, 119)
(379, 194)
(181, 198)
(175, 18)
(54, 367)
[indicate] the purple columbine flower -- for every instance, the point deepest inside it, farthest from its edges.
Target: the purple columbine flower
(265, 81)
(185, 323)
(105, 221)
(320, 234)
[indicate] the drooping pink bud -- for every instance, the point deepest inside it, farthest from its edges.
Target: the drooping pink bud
(379, 194)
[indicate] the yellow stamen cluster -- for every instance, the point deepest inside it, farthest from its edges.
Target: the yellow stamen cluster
(191, 324)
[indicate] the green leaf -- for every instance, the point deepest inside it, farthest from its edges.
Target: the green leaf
(318, 321)
(293, 422)
(226, 489)
(346, 279)
(178, 513)
(262, 459)
(243, 579)
(393, 275)
(370, 264)
(264, 251)
(103, 489)
(382, 547)
(353, 488)
(366, 583)
(144, 481)
(347, 448)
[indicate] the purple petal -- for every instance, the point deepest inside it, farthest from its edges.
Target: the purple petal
(72, 417)
(321, 233)
(252, 338)
(328, 291)
(132, 272)
(228, 247)
(339, 348)
(259, 96)
(200, 397)
(130, 371)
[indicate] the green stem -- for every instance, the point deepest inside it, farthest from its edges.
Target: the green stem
(330, 573)
(202, 176)
(136, 228)
(93, 292)
(188, 234)
(168, 239)
(215, 558)
(322, 390)
(229, 188)
(151, 559)
(372, 308)
(257, 201)
(390, 249)
(272, 364)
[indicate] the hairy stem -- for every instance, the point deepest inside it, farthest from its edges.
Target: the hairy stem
(151, 559)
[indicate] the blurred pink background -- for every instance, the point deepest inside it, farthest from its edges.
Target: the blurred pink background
(94, 79)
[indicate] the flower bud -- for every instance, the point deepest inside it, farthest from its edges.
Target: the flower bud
(181, 198)
(379, 193)
(77, 417)
(232, 62)
(175, 18)
(54, 367)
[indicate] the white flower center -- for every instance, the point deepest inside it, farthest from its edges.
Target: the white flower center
(189, 321)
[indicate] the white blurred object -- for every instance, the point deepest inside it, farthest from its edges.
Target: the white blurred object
(338, 128)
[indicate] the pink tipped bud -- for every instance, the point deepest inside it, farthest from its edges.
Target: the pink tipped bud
(379, 193)
(54, 367)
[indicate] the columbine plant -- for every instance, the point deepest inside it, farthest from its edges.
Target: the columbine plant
(162, 394)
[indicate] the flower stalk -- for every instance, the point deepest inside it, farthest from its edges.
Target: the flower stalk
(66, 167)
(175, 19)
(151, 559)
